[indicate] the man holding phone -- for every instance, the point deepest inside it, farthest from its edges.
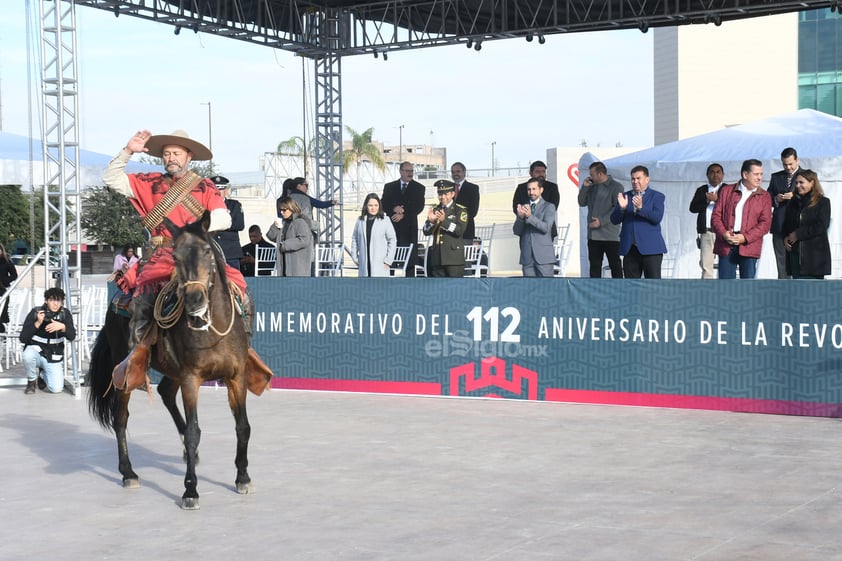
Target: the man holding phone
(599, 193)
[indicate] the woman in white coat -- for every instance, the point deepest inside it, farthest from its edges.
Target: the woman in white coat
(373, 243)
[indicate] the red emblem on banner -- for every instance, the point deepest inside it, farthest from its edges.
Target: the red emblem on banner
(493, 378)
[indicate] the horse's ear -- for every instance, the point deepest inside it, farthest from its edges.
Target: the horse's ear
(206, 219)
(170, 225)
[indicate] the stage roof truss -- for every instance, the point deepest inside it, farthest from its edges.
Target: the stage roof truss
(382, 26)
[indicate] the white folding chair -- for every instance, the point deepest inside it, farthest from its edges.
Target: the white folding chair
(423, 252)
(264, 262)
(562, 250)
(402, 257)
(473, 264)
(486, 236)
(329, 259)
(20, 303)
(668, 263)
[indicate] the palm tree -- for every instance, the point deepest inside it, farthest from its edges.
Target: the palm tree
(362, 150)
(296, 146)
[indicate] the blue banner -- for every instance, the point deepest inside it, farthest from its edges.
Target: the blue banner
(766, 346)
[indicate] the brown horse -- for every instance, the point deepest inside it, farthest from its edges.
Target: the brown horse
(203, 339)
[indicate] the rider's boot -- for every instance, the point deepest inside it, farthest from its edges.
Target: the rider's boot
(248, 312)
(258, 372)
(133, 371)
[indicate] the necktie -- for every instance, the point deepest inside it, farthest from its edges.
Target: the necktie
(532, 208)
(456, 190)
(788, 182)
(403, 186)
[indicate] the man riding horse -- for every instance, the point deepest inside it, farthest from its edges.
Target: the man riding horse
(183, 197)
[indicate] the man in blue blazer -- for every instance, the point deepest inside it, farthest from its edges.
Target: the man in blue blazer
(534, 226)
(640, 211)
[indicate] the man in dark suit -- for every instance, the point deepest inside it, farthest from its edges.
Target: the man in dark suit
(640, 211)
(533, 225)
(446, 224)
(402, 200)
(781, 190)
(229, 240)
(704, 199)
(467, 195)
(538, 170)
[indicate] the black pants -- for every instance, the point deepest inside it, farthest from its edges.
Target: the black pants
(635, 264)
(598, 248)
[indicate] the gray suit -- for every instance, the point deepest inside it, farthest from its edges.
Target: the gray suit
(537, 255)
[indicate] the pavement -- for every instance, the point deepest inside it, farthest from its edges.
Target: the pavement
(342, 476)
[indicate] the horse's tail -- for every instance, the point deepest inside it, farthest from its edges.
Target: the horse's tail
(102, 398)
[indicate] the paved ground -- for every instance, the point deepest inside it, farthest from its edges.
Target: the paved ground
(369, 477)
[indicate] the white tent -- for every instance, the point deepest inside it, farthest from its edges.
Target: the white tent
(15, 163)
(678, 168)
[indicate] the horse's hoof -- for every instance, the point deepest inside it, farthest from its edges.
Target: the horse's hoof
(190, 503)
(245, 488)
(131, 483)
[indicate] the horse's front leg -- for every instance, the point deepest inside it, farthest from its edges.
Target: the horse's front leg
(121, 421)
(168, 389)
(192, 435)
(237, 402)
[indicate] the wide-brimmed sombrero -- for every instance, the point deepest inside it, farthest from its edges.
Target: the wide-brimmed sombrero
(156, 144)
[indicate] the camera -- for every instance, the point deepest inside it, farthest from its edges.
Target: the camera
(49, 315)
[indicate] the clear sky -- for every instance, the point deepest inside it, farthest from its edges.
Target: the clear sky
(526, 97)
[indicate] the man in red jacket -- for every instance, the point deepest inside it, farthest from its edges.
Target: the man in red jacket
(740, 219)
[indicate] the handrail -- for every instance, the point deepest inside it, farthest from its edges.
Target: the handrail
(21, 276)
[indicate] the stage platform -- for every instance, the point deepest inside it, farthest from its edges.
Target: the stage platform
(353, 476)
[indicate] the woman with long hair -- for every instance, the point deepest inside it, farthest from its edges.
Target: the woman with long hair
(374, 241)
(8, 275)
(125, 259)
(805, 228)
(293, 238)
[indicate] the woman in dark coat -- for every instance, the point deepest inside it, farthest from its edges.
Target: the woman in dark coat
(8, 274)
(805, 229)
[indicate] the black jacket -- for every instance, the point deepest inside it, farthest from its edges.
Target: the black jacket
(229, 240)
(699, 206)
(777, 185)
(52, 344)
(468, 197)
(810, 225)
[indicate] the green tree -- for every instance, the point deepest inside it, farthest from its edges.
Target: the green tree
(109, 218)
(362, 150)
(14, 215)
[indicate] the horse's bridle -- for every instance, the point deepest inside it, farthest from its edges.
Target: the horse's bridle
(172, 318)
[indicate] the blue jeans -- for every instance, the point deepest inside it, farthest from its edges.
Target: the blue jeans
(53, 371)
(728, 265)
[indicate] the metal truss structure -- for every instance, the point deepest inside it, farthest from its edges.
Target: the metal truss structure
(60, 141)
(349, 27)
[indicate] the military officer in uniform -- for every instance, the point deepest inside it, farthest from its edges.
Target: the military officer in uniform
(446, 223)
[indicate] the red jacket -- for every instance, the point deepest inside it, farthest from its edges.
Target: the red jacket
(757, 219)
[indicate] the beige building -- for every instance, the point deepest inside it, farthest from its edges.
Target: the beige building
(422, 155)
(708, 77)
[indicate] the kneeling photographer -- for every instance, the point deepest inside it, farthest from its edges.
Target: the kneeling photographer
(43, 333)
